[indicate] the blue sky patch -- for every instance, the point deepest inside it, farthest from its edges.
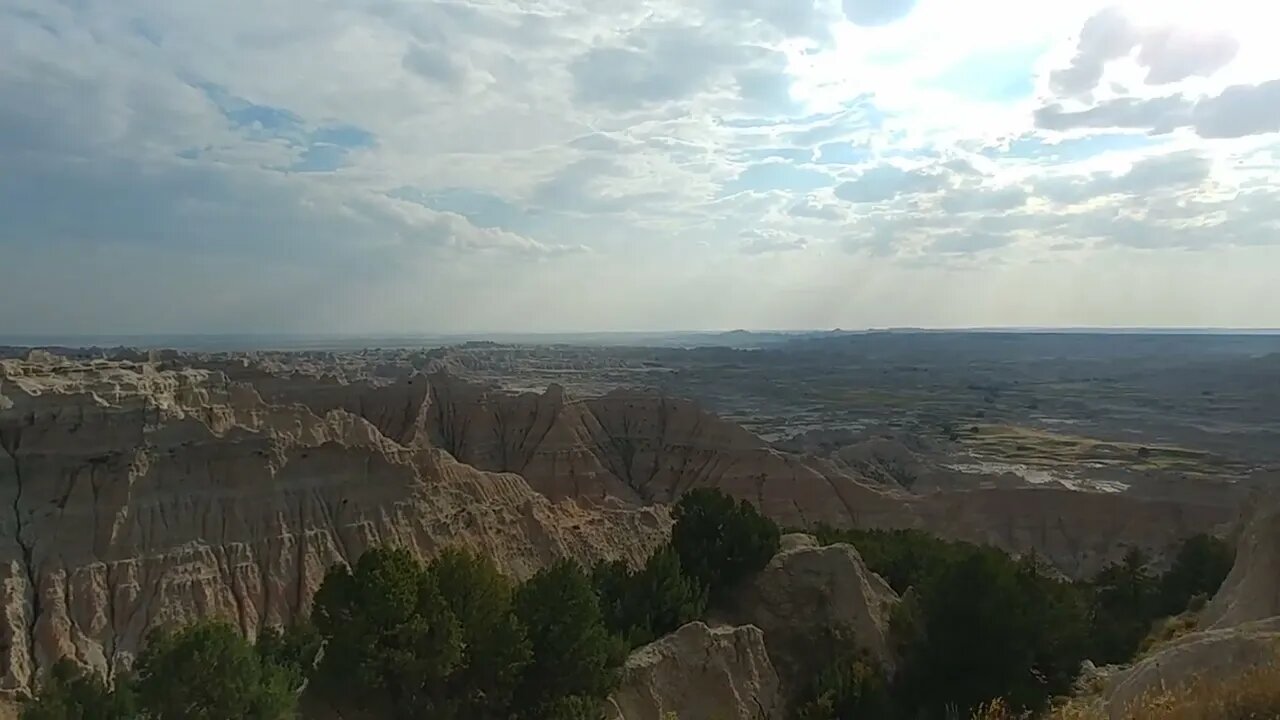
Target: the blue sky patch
(842, 153)
(324, 148)
(1033, 147)
(999, 75)
(795, 155)
(483, 209)
(776, 176)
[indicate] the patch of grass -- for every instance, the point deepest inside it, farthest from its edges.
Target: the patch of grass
(1168, 630)
(1250, 695)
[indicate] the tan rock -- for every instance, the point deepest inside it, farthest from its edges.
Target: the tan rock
(699, 673)
(1242, 621)
(136, 496)
(639, 447)
(1210, 655)
(807, 589)
(1252, 589)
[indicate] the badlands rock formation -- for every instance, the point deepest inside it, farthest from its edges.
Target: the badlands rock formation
(806, 589)
(699, 673)
(152, 489)
(135, 496)
(1242, 621)
(1252, 589)
(639, 448)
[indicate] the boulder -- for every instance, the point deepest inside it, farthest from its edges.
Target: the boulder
(807, 589)
(699, 672)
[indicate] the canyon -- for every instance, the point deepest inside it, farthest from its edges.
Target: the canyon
(143, 488)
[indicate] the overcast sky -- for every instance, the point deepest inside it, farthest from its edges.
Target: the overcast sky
(374, 166)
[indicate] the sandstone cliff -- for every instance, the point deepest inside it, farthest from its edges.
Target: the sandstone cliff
(699, 673)
(134, 496)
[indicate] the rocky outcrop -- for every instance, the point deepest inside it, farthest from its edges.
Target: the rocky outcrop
(807, 589)
(1242, 623)
(699, 673)
(1208, 656)
(134, 496)
(1252, 589)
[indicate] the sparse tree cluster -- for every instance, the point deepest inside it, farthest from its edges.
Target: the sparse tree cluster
(977, 625)
(455, 639)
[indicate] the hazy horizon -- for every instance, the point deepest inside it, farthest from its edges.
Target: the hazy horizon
(232, 342)
(400, 168)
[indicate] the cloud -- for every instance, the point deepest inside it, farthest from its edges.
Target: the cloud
(959, 242)
(422, 166)
(1168, 53)
(670, 63)
(815, 209)
(885, 182)
(1171, 54)
(1238, 111)
(872, 13)
(768, 241)
(1158, 115)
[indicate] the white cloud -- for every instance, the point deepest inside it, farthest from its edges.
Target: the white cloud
(422, 165)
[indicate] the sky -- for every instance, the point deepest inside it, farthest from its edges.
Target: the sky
(410, 166)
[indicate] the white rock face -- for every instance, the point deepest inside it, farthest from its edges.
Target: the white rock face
(133, 496)
(699, 673)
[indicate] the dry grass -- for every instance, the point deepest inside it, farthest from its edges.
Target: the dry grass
(1168, 630)
(1251, 695)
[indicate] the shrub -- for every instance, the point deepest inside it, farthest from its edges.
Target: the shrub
(293, 648)
(642, 606)
(987, 627)
(495, 649)
(208, 671)
(850, 685)
(721, 542)
(1198, 569)
(575, 659)
(71, 693)
(391, 640)
(1126, 602)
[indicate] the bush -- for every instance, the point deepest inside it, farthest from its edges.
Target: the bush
(720, 542)
(575, 659)
(850, 685)
(904, 558)
(495, 649)
(391, 640)
(208, 671)
(643, 606)
(71, 693)
(987, 627)
(292, 648)
(1199, 568)
(1126, 603)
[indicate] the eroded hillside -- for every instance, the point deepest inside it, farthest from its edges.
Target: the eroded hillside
(155, 489)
